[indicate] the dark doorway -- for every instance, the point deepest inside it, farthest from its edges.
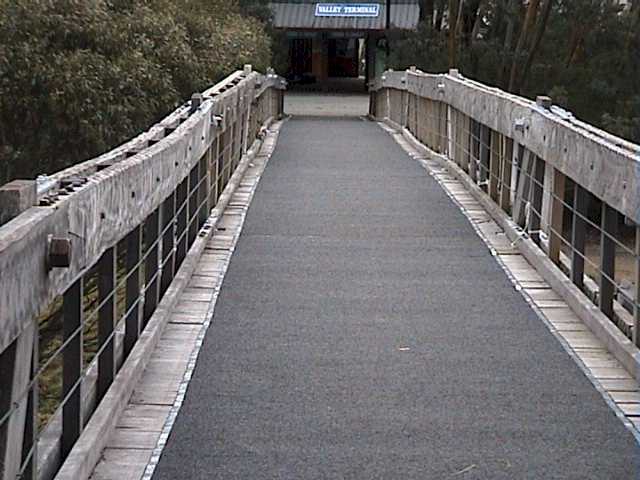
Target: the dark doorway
(344, 57)
(300, 55)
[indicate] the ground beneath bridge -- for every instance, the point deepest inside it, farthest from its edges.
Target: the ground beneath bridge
(364, 331)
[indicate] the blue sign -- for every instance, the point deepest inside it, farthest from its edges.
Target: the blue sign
(347, 10)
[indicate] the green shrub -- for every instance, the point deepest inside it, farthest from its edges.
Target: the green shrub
(78, 77)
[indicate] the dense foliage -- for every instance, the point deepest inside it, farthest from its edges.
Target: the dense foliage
(583, 53)
(78, 77)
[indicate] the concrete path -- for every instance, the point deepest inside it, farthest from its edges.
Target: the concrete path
(323, 105)
(363, 331)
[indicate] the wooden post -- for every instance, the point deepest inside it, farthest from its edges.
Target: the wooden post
(474, 150)
(182, 207)
(495, 161)
(609, 228)
(535, 202)
(465, 140)
(168, 242)
(30, 442)
(72, 366)
(505, 183)
(557, 216)
(15, 198)
(636, 303)
(107, 269)
(203, 191)
(132, 321)
(404, 114)
(578, 234)
(194, 178)
(15, 374)
(524, 172)
(151, 264)
(485, 151)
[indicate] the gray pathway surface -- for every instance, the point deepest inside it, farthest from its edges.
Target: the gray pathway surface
(364, 331)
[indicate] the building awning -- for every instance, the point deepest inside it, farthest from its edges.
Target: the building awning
(345, 15)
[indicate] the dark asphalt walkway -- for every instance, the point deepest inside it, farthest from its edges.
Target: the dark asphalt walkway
(364, 331)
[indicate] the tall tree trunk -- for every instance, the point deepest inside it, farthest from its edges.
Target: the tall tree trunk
(426, 12)
(511, 14)
(525, 34)
(542, 27)
(635, 25)
(439, 14)
(453, 30)
(477, 24)
(575, 42)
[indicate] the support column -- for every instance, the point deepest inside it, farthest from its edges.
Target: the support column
(15, 375)
(168, 242)
(535, 202)
(609, 228)
(557, 216)
(636, 303)
(106, 320)
(152, 282)
(505, 183)
(495, 161)
(15, 198)
(132, 322)
(72, 367)
(578, 235)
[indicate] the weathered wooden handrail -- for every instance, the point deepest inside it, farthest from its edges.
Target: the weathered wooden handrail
(121, 223)
(558, 187)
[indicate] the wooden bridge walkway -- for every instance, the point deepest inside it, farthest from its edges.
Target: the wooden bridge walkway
(444, 287)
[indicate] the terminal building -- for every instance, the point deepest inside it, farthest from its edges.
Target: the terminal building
(331, 40)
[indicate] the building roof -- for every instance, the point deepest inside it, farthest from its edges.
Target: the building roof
(311, 14)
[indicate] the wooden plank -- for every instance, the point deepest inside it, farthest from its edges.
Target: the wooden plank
(603, 362)
(122, 464)
(630, 409)
(544, 295)
(610, 373)
(187, 318)
(618, 385)
(560, 315)
(571, 327)
(582, 340)
(626, 397)
(133, 439)
(144, 417)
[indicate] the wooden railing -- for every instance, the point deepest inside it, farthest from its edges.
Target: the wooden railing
(87, 254)
(567, 193)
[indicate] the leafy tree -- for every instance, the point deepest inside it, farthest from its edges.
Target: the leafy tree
(577, 51)
(79, 77)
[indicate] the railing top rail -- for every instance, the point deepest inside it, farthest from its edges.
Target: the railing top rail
(96, 203)
(593, 158)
